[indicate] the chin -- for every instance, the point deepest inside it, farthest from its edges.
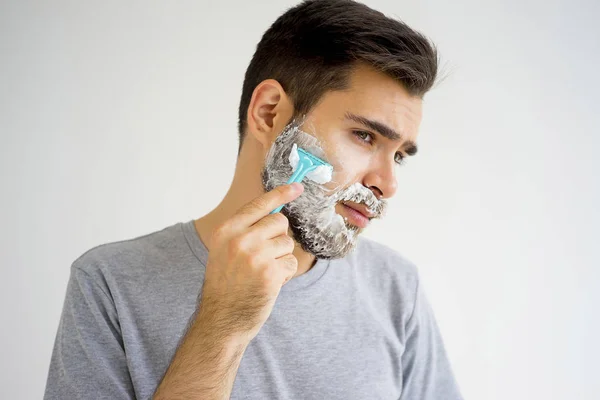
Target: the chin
(325, 243)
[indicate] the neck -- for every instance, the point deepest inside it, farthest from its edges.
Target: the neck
(245, 187)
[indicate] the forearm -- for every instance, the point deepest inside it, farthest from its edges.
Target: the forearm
(204, 365)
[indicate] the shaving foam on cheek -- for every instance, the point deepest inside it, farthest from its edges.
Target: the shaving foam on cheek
(294, 158)
(322, 174)
(348, 160)
(313, 220)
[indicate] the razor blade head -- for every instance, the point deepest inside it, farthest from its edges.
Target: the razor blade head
(314, 159)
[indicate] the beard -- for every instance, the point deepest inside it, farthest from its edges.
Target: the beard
(315, 225)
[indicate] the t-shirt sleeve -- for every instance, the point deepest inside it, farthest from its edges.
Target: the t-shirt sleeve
(88, 360)
(426, 370)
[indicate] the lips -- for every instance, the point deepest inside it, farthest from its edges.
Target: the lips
(361, 208)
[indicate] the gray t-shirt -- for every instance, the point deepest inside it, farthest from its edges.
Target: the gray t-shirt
(353, 328)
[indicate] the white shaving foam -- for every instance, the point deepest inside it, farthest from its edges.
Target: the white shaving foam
(322, 174)
(294, 158)
(317, 227)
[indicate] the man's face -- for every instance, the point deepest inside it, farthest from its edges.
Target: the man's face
(364, 132)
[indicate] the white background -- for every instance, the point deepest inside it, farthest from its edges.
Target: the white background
(119, 118)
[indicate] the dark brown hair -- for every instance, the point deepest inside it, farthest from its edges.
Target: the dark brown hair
(312, 47)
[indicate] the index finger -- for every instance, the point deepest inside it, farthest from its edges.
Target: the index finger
(261, 206)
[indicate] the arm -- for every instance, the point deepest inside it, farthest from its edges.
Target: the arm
(250, 258)
(205, 363)
(426, 370)
(88, 360)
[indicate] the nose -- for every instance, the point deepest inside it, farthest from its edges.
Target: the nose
(381, 179)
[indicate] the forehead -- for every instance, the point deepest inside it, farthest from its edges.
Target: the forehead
(374, 95)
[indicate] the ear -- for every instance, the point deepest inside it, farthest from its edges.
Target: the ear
(269, 111)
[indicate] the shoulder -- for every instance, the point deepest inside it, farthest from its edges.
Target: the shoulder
(124, 257)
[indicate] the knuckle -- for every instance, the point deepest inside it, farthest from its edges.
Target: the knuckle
(239, 244)
(254, 259)
(259, 202)
(233, 246)
(282, 220)
(246, 209)
(266, 276)
(284, 189)
(275, 220)
(219, 232)
(287, 242)
(290, 262)
(279, 222)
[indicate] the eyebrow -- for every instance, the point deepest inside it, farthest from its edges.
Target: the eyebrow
(383, 130)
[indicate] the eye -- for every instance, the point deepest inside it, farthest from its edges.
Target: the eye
(364, 136)
(399, 159)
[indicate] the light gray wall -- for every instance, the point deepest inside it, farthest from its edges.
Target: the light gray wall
(119, 118)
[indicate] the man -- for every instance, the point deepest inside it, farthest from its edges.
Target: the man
(248, 304)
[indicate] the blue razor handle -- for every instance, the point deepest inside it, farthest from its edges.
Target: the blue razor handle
(299, 174)
(306, 163)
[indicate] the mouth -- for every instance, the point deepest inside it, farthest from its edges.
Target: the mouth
(357, 214)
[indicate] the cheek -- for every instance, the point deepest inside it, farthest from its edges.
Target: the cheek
(349, 162)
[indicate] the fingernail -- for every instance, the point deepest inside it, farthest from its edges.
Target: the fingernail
(296, 187)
